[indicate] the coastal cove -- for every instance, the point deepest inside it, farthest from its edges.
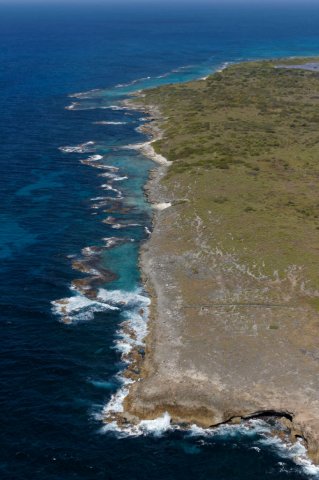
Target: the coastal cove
(254, 298)
(93, 177)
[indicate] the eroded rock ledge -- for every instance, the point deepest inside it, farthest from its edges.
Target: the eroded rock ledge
(232, 269)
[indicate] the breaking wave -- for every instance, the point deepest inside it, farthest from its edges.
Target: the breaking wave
(79, 308)
(86, 147)
(134, 310)
(85, 95)
(109, 123)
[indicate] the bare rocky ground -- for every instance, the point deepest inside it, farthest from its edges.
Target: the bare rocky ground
(226, 343)
(219, 347)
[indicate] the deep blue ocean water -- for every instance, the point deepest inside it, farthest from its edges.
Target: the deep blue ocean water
(55, 376)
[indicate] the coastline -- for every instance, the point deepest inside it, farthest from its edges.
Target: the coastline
(116, 413)
(158, 385)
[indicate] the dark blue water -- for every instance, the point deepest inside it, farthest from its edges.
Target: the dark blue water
(58, 363)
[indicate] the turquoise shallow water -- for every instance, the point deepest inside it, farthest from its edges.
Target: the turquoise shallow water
(57, 377)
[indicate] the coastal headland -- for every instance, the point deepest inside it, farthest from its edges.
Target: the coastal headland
(232, 262)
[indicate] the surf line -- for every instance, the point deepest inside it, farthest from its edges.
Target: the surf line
(112, 413)
(87, 294)
(128, 348)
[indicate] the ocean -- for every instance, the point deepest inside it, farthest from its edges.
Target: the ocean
(73, 216)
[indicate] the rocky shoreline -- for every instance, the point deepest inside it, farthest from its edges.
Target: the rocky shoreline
(206, 372)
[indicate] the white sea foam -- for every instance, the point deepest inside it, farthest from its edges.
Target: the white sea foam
(115, 404)
(109, 188)
(137, 322)
(124, 348)
(135, 309)
(295, 451)
(113, 177)
(97, 199)
(103, 203)
(135, 304)
(264, 438)
(249, 428)
(120, 179)
(109, 220)
(118, 226)
(183, 67)
(83, 106)
(135, 312)
(223, 66)
(94, 158)
(82, 148)
(89, 252)
(111, 241)
(72, 106)
(85, 95)
(123, 298)
(79, 308)
(109, 123)
(133, 82)
(157, 426)
(115, 107)
(164, 75)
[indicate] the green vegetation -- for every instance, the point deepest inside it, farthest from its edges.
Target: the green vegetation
(245, 150)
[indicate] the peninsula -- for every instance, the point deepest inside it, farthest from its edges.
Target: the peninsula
(232, 262)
